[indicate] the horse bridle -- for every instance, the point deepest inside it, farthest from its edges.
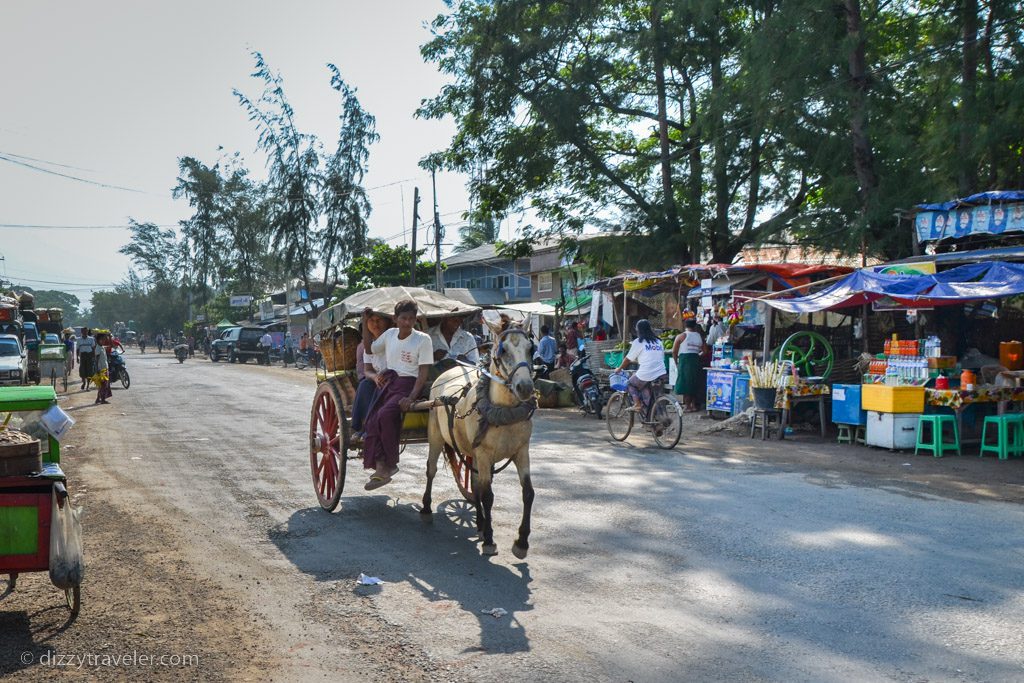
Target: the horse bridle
(507, 378)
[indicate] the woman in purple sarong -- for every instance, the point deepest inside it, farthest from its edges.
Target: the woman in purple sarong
(408, 355)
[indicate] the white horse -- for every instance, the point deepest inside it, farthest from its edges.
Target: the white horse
(508, 404)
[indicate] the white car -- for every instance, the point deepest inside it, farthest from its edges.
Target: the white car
(13, 361)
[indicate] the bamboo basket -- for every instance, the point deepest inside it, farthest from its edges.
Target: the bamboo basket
(339, 350)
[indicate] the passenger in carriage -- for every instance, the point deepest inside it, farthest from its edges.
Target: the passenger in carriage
(369, 370)
(451, 341)
(409, 355)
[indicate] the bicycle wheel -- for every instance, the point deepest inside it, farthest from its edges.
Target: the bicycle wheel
(618, 416)
(668, 422)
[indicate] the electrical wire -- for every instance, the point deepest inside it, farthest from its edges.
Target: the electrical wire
(70, 177)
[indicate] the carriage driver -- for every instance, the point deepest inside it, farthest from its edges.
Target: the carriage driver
(451, 341)
(408, 356)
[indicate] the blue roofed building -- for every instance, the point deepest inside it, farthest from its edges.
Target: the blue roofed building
(481, 276)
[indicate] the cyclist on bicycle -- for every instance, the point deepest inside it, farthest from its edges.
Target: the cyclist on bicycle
(649, 353)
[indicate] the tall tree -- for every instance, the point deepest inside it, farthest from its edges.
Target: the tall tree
(202, 234)
(293, 160)
(346, 206)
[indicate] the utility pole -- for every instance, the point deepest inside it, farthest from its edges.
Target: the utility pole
(415, 218)
(437, 236)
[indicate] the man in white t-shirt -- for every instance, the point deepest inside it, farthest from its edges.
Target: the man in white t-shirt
(409, 355)
(451, 341)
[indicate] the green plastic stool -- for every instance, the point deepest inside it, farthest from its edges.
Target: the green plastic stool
(844, 435)
(1009, 436)
(938, 445)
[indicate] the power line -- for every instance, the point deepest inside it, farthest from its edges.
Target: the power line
(69, 177)
(77, 227)
(48, 163)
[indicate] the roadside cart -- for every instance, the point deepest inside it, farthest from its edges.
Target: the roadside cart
(332, 442)
(28, 493)
(53, 365)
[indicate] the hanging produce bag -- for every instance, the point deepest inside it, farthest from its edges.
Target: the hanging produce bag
(67, 564)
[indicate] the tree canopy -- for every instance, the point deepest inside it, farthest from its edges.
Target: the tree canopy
(714, 124)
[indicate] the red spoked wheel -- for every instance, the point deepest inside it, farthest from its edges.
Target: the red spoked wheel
(328, 443)
(463, 473)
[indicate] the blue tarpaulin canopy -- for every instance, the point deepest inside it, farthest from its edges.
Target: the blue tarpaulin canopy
(971, 282)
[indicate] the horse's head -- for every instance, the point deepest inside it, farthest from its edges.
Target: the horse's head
(512, 355)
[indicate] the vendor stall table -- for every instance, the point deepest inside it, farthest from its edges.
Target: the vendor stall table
(803, 393)
(959, 400)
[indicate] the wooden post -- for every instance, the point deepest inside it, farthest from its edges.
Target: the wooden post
(625, 312)
(415, 218)
(769, 319)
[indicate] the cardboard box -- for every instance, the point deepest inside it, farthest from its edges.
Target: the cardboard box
(942, 362)
(888, 399)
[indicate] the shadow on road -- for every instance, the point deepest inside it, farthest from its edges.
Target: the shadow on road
(437, 555)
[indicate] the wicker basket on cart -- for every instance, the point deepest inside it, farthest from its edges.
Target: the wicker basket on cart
(339, 349)
(19, 453)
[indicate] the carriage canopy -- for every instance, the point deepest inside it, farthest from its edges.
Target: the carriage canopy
(432, 305)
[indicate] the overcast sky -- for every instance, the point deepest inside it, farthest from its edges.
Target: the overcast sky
(115, 92)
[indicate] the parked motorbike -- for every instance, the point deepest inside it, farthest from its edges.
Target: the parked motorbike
(181, 352)
(540, 369)
(118, 370)
(585, 387)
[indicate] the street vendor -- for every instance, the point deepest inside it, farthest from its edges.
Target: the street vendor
(686, 352)
(451, 341)
(409, 355)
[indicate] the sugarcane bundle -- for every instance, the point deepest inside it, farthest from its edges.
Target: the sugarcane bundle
(771, 375)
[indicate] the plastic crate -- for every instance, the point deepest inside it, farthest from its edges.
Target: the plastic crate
(889, 399)
(846, 400)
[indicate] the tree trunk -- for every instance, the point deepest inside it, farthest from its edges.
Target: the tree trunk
(967, 165)
(863, 157)
(668, 195)
(720, 230)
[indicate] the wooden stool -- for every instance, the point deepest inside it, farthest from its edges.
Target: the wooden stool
(765, 419)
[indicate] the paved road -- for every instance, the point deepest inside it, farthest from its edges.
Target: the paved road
(644, 565)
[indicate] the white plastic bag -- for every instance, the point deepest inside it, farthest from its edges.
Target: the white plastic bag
(67, 564)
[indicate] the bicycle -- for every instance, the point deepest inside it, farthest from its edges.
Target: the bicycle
(663, 417)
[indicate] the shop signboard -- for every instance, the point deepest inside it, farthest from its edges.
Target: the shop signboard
(240, 300)
(964, 221)
(719, 395)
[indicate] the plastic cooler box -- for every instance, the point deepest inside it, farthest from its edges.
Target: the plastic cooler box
(889, 399)
(846, 408)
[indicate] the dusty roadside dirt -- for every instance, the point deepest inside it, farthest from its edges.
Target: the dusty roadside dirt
(140, 595)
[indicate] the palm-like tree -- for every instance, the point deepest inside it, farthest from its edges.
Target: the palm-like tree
(478, 233)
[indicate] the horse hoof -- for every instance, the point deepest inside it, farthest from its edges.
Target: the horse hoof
(491, 549)
(519, 551)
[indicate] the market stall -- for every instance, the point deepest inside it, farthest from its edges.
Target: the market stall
(908, 381)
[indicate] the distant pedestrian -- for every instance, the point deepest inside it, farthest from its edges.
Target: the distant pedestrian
(86, 351)
(101, 376)
(191, 346)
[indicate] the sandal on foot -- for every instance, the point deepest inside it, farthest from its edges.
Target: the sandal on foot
(376, 481)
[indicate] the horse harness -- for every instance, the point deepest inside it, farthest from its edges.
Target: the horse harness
(489, 414)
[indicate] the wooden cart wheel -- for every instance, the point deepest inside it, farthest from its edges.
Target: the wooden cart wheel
(463, 473)
(73, 597)
(328, 443)
(65, 381)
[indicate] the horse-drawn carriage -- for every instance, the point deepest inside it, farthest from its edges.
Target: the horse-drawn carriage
(462, 414)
